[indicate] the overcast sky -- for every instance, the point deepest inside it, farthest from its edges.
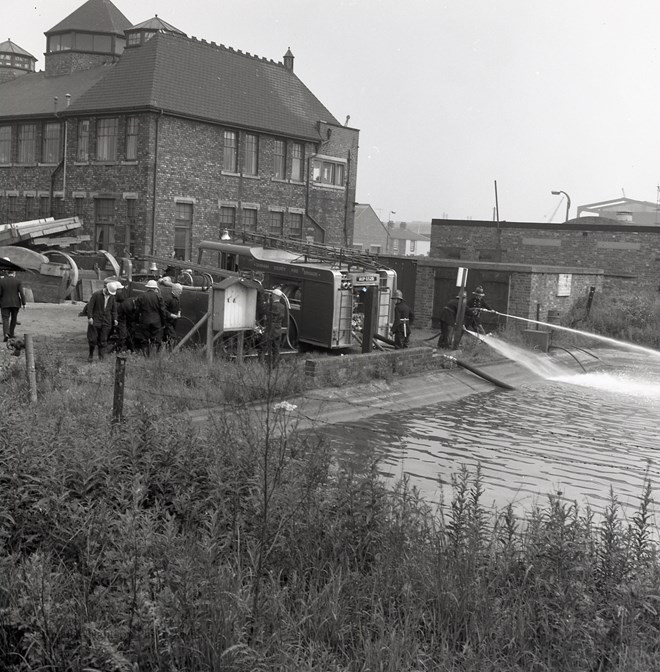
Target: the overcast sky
(450, 97)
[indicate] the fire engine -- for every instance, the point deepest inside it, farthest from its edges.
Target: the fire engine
(324, 286)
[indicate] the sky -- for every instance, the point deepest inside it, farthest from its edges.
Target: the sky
(451, 98)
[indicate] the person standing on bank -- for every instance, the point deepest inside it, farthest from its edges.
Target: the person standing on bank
(12, 299)
(101, 311)
(151, 312)
(403, 319)
(476, 303)
(448, 321)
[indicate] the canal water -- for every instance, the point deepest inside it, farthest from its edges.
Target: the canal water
(578, 434)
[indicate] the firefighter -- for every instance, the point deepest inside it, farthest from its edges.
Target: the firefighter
(150, 310)
(273, 320)
(403, 319)
(476, 303)
(172, 314)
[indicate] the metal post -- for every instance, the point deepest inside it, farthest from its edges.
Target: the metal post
(31, 372)
(370, 325)
(460, 313)
(209, 329)
(118, 397)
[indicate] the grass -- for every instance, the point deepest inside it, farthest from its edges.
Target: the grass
(151, 545)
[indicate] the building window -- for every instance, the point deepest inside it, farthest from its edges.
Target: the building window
(131, 225)
(27, 134)
(374, 249)
(44, 207)
(51, 143)
(106, 139)
(395, 246)
(30, 208)
(276, 223)
(230, 154)
(297, 162)
(296, 225)
(183, 230)
(132, 139)
(279, 160)
(227, 218)
(5, 144)
(78, 204)
(412, 246)
(12, 207)
(104, 225)
(328, 172)
(251, 155)
(83, 140)
(250, 220)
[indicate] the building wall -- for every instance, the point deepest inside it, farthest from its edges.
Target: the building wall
(626, 253)
(64, 62)
(188, 155)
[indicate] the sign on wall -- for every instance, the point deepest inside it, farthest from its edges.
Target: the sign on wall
(564, 284)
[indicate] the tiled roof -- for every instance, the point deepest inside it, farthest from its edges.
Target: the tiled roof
(156, 24)
(209, 82)
(97, 16)
(33, 93)
(9, 47)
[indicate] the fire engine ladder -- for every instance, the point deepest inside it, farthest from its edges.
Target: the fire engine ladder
(310, 252)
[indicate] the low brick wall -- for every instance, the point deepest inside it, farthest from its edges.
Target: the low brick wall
(359, 368)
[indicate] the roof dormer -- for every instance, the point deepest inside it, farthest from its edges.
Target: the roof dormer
(142, 32)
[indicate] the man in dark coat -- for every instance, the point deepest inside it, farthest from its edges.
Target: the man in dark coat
(403, 319)
(12, 299)
(448, 321)
(274, 315)
(172, 314)
(150, 310)
(101, 311)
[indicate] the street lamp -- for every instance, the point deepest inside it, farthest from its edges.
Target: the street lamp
(568, 201)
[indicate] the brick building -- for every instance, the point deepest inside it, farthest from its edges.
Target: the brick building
(372, 235)
(157, 140)
(628, 253)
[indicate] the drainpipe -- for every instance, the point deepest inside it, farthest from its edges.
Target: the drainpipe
(346, 204)
(153, 213)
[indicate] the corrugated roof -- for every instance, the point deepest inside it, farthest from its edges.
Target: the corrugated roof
(211, 82)
(9, 47)
(96, 16)
(156, 23)
(33, 93)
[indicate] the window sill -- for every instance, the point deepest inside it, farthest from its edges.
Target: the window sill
(322, 185)
(25, 165)
(299, 183)
(281, 180)
(129, 162)
(81, 163)
(6, 165)
(50, 165)
(104, 163)
(229, 174)
(250, 177)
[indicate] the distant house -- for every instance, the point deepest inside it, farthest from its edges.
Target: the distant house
(395, 238)
(627, 210)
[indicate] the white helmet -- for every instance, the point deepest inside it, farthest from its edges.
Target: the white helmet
(152, 284)
(278, 292)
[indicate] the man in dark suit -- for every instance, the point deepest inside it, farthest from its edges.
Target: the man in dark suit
(101, 311)
(12, 299)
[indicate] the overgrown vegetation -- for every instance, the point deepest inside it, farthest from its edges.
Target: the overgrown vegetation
(153, 546)
(629, 315)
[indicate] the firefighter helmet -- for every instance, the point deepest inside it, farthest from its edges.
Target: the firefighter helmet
(397, 294)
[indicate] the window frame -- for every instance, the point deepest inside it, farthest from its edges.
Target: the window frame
(82, 147)
(297, 162)
(276, 223)
(5, 144)
(251, 154)
(132, 131)
(105, 222)
(107, 130)
(27, 144)
(51, 143)
(250, 226)
(227, 218)
(230, 152)
(297, 233)
(279, 160)
(328, 171)
(183, 225)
